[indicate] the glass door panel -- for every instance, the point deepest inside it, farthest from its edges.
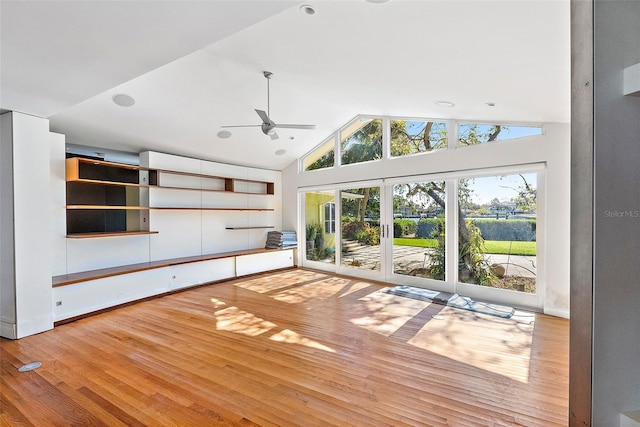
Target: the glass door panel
(419, 226)
(497, 232)
(360, 228)
(320, 226)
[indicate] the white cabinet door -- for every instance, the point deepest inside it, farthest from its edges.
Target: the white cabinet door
(256, 263)
(196, 273)
(86, 297)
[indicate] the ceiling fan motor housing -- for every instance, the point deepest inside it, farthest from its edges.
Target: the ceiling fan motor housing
(268, 128)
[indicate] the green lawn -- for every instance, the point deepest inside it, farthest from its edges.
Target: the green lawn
(421, 243)
(492, 246)
(517, 248)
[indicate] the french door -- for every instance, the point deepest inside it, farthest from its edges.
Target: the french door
(346, 229)
(475, 234)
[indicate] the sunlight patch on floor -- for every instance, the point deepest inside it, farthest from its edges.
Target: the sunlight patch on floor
(388, 313)
(233, 319)
(502, 347)
(328, 288)
(291, 337)
(274, 282)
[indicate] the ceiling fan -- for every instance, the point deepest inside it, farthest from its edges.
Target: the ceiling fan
(268, 126)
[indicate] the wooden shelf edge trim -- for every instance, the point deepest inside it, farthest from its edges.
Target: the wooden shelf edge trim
(203, 175)
(111, 207)
(72, 164)
(108, 234)
(250, 228)
(209, 190)
(168, 208)
(106, 163)
(114, 183)
(85, 276)
(208, 209)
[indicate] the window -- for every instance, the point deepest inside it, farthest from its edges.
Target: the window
(361, 141)
(497, 231)
(320, 157)
(320, 244)
(330, 218)
(475, 133)
(419, 232)
(410, 137)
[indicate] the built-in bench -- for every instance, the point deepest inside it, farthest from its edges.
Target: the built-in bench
(69, 279)
(85, 293)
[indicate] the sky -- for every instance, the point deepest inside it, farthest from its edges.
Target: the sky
(487, 188)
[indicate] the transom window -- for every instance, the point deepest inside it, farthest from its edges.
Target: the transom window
(367, 139)
(475, 133)
(410, 137)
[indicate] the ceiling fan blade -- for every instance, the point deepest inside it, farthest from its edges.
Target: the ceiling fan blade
(241, 126)
(273, 136)
(263, 116)
(308, 127)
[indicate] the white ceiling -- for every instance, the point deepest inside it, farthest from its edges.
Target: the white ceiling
(194, 66)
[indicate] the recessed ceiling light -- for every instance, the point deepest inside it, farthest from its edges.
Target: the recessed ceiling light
(490, 104)
(307, 10)
(123, 100)
(377, 1)
(280, 152)
(224, 134)
(445, 104)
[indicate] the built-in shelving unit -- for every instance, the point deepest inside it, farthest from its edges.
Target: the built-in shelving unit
(140, 231)
(104, 199)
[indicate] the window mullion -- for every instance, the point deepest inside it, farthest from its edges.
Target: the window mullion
(451, 233)
(452, 134)
(386, 138)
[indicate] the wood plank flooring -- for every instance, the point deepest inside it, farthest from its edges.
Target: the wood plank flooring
(292, 348)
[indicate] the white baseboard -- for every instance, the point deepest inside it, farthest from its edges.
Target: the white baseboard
(557, 312)
(8, 330)
(630, 419)
(35, 326)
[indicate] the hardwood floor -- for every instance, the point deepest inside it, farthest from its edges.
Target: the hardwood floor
(297, 347)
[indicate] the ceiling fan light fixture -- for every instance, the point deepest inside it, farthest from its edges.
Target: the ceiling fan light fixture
(268, 126)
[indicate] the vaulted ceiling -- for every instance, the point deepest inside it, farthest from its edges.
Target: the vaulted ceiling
(194, 66)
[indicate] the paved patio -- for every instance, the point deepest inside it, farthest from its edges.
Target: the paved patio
(408, 258)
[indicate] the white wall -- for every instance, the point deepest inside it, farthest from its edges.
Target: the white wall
(197, 232)
(58, 211)
(552, 148)
(7, 277)
(30, 287)
(616, 315)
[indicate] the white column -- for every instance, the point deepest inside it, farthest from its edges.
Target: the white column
(25, 290)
